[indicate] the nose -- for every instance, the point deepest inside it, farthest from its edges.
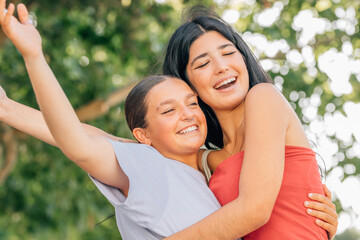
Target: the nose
(187, 115)
(221, 65)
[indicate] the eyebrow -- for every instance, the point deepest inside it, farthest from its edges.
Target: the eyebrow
(169, 101)
(206, 53)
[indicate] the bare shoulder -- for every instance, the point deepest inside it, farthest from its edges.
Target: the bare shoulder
(262, 91)
(265, 95)
(265, 102)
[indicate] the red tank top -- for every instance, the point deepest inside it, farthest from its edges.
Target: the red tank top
(289, 219)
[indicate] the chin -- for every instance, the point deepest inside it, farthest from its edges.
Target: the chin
(195, 146)
(232, 103)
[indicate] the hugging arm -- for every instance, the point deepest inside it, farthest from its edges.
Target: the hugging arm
(94, 154)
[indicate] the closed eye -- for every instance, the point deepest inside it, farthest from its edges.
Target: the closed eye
(168, 111)
(229, 53)
(194, 104)
(202, 65)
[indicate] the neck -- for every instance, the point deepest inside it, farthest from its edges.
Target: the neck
(189, 159)
(232, 125)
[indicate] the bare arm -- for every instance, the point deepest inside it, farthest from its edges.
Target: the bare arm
(94, 154)
(31, 121)
(261, 176)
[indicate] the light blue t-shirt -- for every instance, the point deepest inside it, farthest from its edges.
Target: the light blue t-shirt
(165, 196)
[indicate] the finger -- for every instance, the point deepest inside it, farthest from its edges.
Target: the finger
(328, 227)
(316, 206)
(327, 191)
(322, 199)
(2, 10)
(9, 13)
(23, 13)
(328, 218)
(324, 220)
(7, 18)
(319, 197)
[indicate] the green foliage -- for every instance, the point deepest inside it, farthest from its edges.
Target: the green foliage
(348, 235)
(96, 47)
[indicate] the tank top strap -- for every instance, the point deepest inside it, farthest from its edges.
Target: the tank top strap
(205, 165)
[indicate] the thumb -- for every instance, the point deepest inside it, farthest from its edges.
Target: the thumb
(23, 13)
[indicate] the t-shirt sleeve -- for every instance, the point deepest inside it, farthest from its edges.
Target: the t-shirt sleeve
(148, 190)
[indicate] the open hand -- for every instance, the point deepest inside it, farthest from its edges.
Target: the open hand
(324, 211)
(22, 33)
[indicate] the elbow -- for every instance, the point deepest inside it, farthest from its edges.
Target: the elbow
(262, 219)
(78, 150)
(262, 215)
(258, 212)
(78, 156)
(74, 157)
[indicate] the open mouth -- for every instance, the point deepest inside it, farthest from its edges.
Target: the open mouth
(225, 84)
(189, 129)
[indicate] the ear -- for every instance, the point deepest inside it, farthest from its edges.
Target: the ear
(141, 135)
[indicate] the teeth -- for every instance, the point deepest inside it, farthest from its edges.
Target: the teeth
(225, 82)
(189, 129)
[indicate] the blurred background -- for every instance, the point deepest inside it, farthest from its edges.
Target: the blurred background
(99, 49)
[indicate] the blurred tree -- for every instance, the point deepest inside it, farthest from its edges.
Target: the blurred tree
(350, 234)
(97, 49)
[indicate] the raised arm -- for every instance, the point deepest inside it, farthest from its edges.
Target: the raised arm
(94, 154)
(31, 121)
(260, 180)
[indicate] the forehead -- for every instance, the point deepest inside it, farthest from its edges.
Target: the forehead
(171, 88)
(208, 39)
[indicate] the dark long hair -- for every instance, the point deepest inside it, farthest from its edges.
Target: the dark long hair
(135, 103)
(200, 20)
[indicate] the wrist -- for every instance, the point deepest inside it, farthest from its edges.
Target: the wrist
(33, 58)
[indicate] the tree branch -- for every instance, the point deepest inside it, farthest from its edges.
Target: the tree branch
(98, 108)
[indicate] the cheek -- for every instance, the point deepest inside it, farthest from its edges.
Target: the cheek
(200, 115)
(204, 94)
(198, 78)
(162, 126)
(157, 126)
(201, 86)
(203, 97)
(166, 126)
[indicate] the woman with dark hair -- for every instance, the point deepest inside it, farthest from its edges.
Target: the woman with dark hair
(263, 168)
(75, 140)
(200, 20)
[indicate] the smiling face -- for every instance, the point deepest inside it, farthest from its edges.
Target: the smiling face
(176, 126)
(217, 71)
